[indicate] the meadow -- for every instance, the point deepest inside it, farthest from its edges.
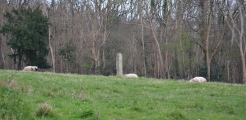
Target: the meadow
(36, 95)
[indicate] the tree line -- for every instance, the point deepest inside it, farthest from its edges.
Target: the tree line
(177, 39)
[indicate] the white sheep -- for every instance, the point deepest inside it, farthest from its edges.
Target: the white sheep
(131, 75)
(198, 79)
(30, 68)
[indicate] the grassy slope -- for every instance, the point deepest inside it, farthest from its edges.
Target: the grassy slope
(108, 98)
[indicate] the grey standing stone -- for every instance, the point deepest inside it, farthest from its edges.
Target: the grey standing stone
(119, 64)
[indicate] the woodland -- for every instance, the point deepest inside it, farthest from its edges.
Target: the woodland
(164, 39)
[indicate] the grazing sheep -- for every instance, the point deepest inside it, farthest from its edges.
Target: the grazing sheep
(30, 68)
(131, 75)
(198, 79)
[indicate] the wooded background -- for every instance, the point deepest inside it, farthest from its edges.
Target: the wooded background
(177, 39)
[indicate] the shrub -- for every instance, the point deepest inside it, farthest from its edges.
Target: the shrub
(44, 110)
(85, 114)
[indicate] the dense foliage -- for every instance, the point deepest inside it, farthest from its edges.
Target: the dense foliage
(28, 32)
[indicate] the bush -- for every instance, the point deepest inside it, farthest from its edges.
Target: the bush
(44, 110)
(85, 114)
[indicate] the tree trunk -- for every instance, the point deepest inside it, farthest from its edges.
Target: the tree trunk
(2, 10)
(1, 53)
(160, 61)
(143, 57)
(19, 62)
(241, 32)
(51, 49)
(52, 54)
(208, 59)
(61, 66)
(143, 46)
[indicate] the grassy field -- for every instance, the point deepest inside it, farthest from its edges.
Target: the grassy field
(27, 96)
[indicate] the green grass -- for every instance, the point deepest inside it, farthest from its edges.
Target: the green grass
(29, 95)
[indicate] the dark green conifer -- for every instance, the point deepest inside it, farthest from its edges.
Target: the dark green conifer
(27, 31)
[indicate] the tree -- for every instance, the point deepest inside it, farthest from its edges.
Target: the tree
(99, 18)
(151, 15)
(2, 8)
(28, 36)
(237, 29)
(46, 13)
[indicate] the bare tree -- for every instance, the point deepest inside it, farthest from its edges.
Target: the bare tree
(45, 12)
(2, 10)
(207, 39)
(237, 27)
(99, 16)
(150, 12)
(142, 35)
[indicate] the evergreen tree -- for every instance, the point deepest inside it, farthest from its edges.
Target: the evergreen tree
(28, 31)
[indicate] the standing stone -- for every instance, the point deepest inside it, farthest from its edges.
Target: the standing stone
(119, 64)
